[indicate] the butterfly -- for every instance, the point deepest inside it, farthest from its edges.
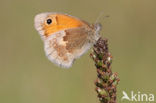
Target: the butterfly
(65, 37)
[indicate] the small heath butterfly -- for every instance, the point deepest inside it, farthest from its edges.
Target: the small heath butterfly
(65, 37)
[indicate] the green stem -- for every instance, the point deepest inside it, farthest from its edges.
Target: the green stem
(106, 80)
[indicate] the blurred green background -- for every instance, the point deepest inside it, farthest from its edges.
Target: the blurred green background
(27, 76)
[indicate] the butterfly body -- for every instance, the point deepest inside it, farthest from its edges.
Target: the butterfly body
(65, 37)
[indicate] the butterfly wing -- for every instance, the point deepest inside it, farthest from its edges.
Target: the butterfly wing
(66, 38)
(63, 47)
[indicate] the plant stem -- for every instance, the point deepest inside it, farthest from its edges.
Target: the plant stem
(106, 81)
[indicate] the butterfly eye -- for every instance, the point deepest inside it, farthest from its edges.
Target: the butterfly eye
(49, 21)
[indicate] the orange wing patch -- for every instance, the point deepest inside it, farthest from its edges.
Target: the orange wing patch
(60, 22)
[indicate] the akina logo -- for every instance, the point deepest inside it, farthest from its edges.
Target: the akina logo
(137, 96)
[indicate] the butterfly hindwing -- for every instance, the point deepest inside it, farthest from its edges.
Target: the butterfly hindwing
(64, 47)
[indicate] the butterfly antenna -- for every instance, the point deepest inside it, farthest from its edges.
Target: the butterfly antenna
(100, 16)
